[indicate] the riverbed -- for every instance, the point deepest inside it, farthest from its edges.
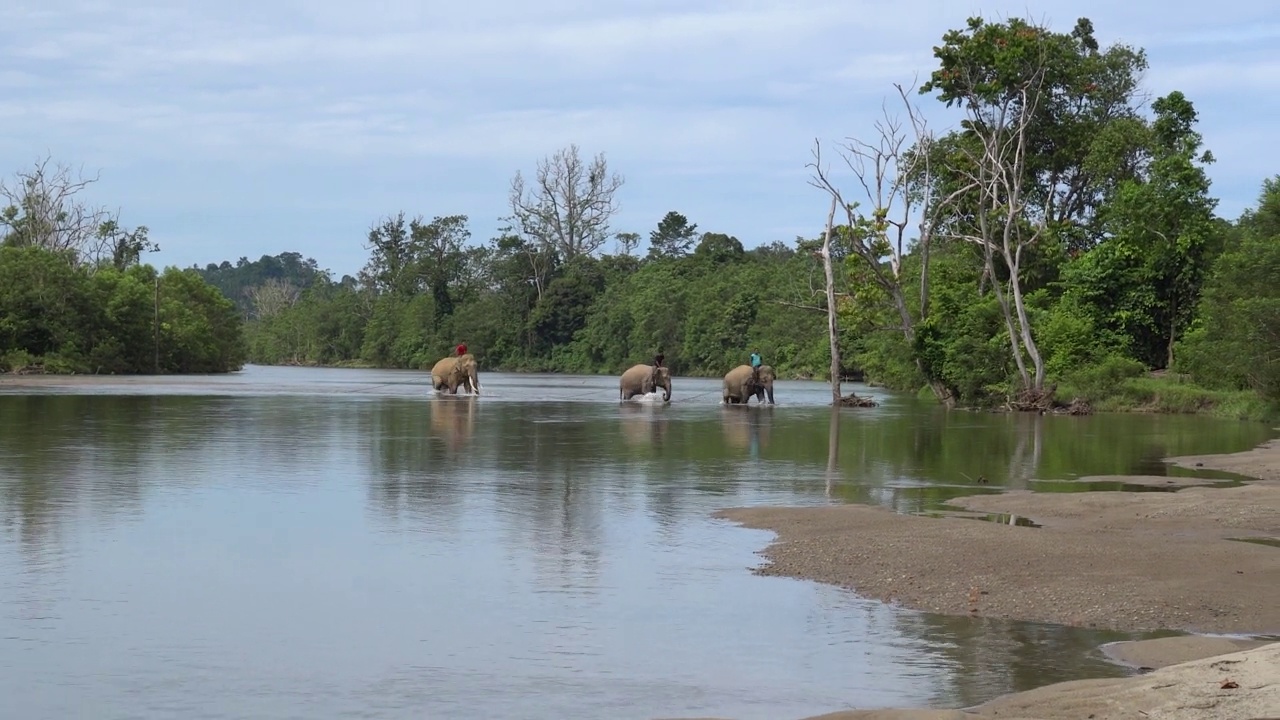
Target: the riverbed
(298, 542)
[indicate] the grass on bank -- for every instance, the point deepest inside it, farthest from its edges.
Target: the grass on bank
(1124, 385)
(1172, 395)
(21, 361)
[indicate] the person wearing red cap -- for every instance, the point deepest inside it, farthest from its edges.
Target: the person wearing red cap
(462, 349)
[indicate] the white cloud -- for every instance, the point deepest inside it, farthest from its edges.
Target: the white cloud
(281, 109)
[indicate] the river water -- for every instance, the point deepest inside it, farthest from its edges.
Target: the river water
(331, 543)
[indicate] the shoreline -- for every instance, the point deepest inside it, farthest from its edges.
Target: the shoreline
(1121, 560)
(31, 377)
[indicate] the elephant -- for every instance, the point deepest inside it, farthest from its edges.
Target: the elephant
(452, 372)
(739, 385)
(644, 379)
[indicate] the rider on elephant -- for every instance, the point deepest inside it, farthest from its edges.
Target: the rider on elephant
(755, 367)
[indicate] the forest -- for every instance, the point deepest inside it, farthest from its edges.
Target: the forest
(1059, 249)
(76, 298)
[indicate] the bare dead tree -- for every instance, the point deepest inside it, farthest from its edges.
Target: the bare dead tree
(570, 204)
(273, 297)
(1007, 220)
(42, 208)
(895, 176)
(831, 304)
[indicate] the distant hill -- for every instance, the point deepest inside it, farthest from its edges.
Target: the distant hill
(236, 281)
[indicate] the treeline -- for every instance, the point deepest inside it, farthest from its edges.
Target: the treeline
(74, 297)
(701, 298)
(1060, 247)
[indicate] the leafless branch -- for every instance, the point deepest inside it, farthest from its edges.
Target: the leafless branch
(42, 208)
(1007, 223)
(800, 306)
(570, 204)
(895, 176)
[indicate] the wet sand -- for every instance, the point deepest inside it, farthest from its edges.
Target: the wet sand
(1122, 560)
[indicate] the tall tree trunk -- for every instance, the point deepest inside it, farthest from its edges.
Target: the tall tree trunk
(831, 305)
(1024, 323)
(989, 262)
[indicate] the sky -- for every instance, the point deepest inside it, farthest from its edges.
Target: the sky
(237, 129)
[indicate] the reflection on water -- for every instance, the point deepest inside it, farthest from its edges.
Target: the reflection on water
(293, 542)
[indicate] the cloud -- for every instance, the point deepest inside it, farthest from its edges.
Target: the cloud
(203, 115)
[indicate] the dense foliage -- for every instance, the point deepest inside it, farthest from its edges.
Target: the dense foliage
(75, 298)
(705, 306)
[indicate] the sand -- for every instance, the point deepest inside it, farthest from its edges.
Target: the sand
(1128, 561)
(1163, 652)
(1122, 560)
(1261, 462)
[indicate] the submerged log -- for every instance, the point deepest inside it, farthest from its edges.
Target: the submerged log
(1032, 400)
(852, 400)
(1078, 406)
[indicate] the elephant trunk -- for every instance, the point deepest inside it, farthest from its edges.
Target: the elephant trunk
(666, 386)
(769, 389)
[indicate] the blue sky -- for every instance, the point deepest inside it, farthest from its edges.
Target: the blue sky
(236, 128)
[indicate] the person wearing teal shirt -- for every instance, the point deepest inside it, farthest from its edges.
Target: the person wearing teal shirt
(755, 366)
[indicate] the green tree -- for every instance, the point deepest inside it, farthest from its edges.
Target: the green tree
(1144, 281)
(1236, 340)
(673, 237)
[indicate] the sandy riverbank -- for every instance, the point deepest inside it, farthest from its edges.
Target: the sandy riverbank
(1122, 560)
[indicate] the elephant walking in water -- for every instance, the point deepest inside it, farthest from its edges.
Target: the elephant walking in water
(644, 379)
(739, 385)
(453, 372)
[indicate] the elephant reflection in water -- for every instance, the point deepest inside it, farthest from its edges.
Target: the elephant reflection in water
(453, 420)
(643, 424)
(746, 430)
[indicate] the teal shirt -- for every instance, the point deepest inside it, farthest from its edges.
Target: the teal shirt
(755, 359)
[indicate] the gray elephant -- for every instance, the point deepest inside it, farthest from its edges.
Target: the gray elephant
(453, 372)
(644, 379)
(739, 385)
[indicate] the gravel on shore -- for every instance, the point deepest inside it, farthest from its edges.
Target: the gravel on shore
(1122, 560)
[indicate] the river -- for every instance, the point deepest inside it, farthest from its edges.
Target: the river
(333, 543)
